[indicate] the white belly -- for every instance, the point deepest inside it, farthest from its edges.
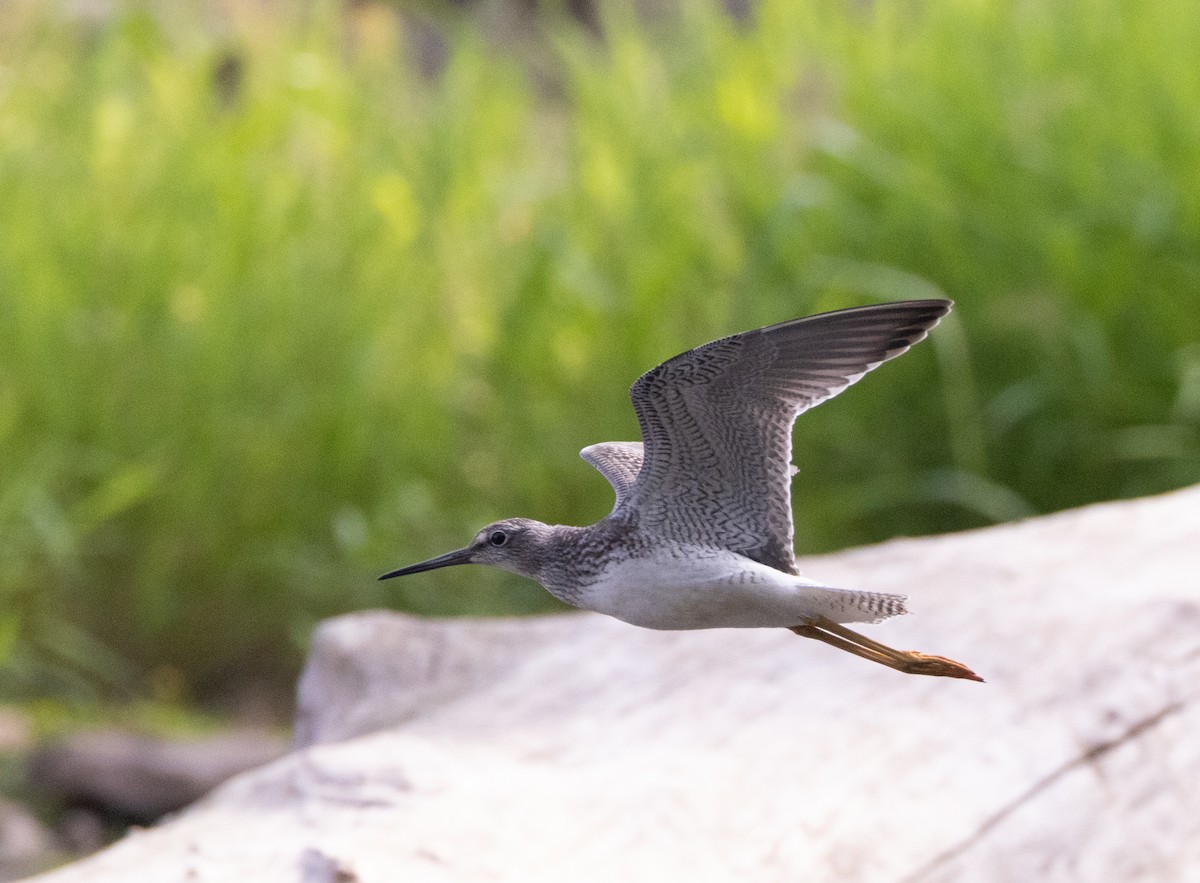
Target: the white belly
(702, 588)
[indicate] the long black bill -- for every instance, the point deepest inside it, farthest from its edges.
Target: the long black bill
(458, 556)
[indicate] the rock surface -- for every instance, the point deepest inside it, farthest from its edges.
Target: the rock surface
(144, 777)
(25, 843)
(578, 748)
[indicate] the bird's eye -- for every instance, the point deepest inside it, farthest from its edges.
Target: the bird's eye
(498, 538)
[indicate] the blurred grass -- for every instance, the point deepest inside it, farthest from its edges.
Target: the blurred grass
(278, 311)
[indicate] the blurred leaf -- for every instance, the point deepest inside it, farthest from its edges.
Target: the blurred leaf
(10, 627)
(118, 493)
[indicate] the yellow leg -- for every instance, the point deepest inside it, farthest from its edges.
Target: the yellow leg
(908, 661)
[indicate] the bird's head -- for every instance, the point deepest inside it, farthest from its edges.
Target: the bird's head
(513, 544)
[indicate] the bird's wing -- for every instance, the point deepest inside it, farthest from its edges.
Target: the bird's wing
(717, 423)
(619, 462)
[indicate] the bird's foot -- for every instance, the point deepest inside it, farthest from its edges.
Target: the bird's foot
(908, 661)
(915, 663)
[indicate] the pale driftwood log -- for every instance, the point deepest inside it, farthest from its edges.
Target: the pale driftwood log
(579, 748)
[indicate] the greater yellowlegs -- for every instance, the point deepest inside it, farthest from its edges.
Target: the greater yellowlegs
(701, 533)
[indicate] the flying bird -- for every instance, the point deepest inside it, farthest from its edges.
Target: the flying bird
(701, 533)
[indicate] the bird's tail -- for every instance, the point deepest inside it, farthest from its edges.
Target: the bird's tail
(848, 605)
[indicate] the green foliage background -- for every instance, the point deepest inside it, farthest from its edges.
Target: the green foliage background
(279, 310)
